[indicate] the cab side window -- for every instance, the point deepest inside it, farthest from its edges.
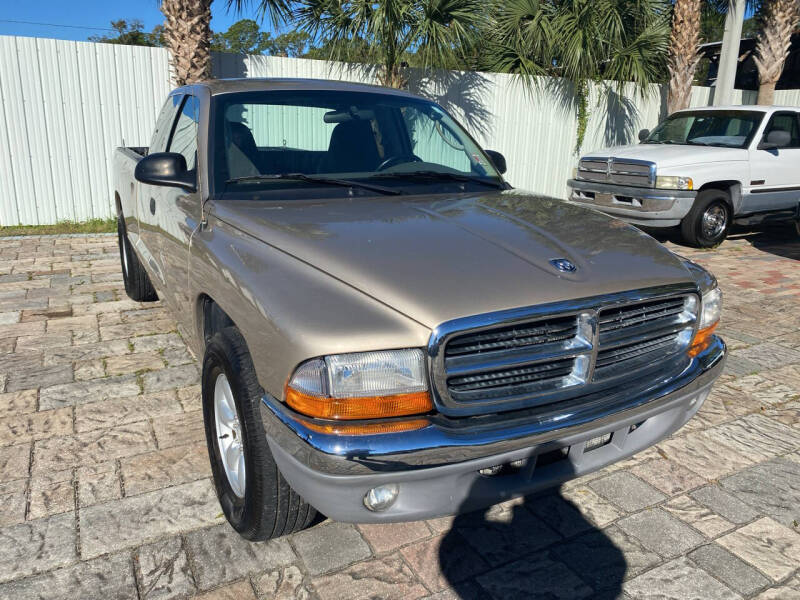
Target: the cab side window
(184, 137)
(164, 124)
(785, 121)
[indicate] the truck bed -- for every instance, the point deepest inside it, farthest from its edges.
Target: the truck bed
(125, 160)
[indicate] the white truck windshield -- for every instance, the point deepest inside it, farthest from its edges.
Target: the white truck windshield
(728, 129)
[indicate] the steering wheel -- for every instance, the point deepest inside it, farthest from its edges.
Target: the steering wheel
(398, 159)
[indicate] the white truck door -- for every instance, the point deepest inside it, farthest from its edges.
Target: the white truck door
(774, 174)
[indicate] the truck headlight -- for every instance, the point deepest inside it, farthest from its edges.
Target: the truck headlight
(361, 385)
(673, 182)
(575, 172)
(710, 313)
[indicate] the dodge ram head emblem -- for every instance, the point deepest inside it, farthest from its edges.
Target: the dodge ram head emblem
(563, 265)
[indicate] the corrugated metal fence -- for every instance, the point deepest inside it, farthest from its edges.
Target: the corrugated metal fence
(67, 105)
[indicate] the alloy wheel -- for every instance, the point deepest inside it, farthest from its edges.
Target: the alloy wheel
(229, 435)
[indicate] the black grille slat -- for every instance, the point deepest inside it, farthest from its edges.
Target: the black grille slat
(627, 316)
(512, 376)
(634, 336)
(622, 336)
(605, 357)
(513, 337)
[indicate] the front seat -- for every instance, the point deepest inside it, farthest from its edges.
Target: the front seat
(244, 140)
(242, 152)
(352, 149)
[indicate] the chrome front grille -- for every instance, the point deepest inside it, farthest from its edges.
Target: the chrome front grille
(620, 171)
(542, 355)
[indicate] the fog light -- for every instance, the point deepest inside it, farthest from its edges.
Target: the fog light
(381, 497)
(489, 471)
(597, 442)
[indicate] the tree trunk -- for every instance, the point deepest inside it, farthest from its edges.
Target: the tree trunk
(187, 30)
(683, 56)
(772, 46)
(393, 76)
(766, 93)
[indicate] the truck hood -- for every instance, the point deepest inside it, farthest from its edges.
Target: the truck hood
(673, 155)
(435, 258)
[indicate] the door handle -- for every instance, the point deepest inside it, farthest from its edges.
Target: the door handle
(152, 206)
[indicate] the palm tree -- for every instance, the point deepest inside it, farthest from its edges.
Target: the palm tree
(187, 33)
(684, 41)
(432, 32)
(779, 19)
(581, 41)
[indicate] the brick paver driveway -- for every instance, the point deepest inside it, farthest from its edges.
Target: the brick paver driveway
(105, 490)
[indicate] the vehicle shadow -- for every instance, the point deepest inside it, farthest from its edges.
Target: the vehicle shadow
(780, 238)
(539, 546)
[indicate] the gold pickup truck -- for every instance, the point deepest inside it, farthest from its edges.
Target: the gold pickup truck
(388, 330)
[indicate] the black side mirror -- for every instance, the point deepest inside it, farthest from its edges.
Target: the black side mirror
(498, 160)
(166, 168)
(643, 134)
(777, 138)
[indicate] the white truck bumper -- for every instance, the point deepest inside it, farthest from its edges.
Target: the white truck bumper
(641, 206)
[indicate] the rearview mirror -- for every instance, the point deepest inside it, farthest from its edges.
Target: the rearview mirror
(167, 169)
(498, 160)
(644, 134)
(775, 139)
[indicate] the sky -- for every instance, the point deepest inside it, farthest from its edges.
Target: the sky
(90, 17)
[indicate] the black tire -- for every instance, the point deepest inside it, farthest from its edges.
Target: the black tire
(270, 508)
(708, 222)
(137, 282)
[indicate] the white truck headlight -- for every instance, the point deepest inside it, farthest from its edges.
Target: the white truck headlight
(361, 385)
(673, 182)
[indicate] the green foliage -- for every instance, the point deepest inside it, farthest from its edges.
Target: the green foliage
(712, 20)
(582, 41)
(435, 32)
(246, 37)
(291, 43)
(131, 33)
(243, 37)
(90, 226)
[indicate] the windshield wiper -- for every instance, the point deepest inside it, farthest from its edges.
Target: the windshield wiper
(441, 175)
(314, 179)
(712, 144)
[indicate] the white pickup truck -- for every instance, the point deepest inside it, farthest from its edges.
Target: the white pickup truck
(700, 169)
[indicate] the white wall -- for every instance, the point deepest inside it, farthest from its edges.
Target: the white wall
(67, 105)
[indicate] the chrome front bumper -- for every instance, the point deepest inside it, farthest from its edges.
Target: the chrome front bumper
(437, 467)
(642, 206)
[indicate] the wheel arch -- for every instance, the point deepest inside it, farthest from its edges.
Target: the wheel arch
(733, 187)
(210, 318)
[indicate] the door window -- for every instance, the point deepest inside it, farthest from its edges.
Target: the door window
(164, 124)
(184, 138)
(785, 121)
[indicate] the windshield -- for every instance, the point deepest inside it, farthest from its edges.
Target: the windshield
(728, 128)
(323, 139)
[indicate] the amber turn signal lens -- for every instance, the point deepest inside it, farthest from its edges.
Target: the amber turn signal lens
(701, 340)
(370, 407)
(367, 428)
